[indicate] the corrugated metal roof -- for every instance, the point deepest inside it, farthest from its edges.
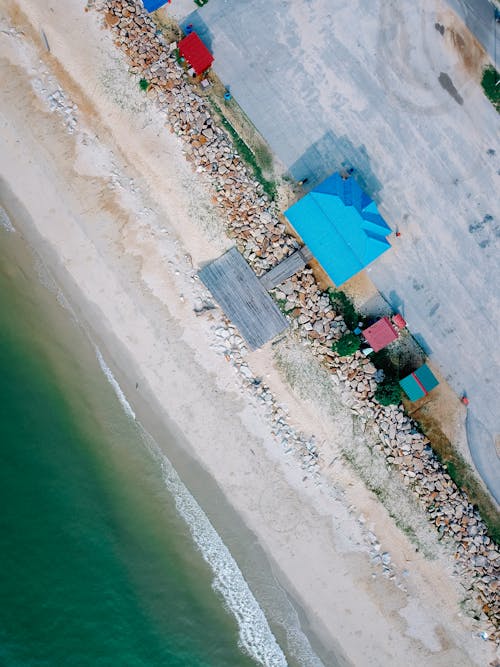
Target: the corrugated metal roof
(419, 383)
(380, 334)
(342, 227)
(196, 53)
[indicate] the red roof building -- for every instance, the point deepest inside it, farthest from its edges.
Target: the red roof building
(380, 334)
(196, 53)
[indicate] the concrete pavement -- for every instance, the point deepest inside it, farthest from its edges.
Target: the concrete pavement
(389, 88)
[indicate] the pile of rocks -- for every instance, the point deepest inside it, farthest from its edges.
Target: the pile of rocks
(476, 557)
(232, 346)
(261, 236)
(258, 232)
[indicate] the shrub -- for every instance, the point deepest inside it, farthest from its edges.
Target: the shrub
(491, 86)
(144, 84)
(388, 393)
(346, 345)
(342, 304)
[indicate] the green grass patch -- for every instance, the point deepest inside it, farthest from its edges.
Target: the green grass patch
(281, 303)
(264, 157)
(382, 359)
(246, 154)
(491, 85)
(144, 84)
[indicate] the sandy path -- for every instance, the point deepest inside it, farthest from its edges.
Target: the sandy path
(122, 221)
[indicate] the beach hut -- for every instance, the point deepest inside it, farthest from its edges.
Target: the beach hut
(380, 334)
(153, 5)
(196, 53)
(419, 383)
(341, 226)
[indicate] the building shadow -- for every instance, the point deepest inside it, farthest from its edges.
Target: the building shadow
(200, 27)
(423, 343)
(332, 153)
(396, 302)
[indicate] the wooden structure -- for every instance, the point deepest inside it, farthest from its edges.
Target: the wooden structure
(286, 269)
(243, 298)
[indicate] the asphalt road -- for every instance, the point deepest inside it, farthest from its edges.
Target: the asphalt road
(380, 86)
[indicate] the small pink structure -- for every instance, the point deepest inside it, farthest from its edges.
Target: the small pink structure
(380, 334)
(399, 321)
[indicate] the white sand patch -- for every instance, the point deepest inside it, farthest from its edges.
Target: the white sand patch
(420, 626)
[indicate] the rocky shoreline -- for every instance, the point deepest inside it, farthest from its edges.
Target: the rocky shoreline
(262, 237)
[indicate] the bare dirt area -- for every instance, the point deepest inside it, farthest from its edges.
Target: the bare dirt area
(456, 35)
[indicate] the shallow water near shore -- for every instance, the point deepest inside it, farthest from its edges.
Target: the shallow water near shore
(98, 567)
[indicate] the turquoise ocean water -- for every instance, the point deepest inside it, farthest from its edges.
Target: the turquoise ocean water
(97, 567)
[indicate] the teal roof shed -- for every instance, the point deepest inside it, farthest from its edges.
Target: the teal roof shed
(419, 383)
(341, 226)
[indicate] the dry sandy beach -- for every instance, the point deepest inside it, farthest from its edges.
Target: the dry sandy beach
(114, 209)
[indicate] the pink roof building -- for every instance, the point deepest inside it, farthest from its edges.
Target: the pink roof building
(380, 334)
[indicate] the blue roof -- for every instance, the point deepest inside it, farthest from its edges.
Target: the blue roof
(341, 226)
(152, 5)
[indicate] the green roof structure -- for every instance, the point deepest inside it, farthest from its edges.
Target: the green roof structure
(419, 383)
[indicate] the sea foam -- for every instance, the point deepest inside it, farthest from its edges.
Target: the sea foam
(114, 383)
(255, 635)
(5, 221)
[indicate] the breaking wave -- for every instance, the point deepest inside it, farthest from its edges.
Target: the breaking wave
(114, 383)
(5, 221)
(255, 636)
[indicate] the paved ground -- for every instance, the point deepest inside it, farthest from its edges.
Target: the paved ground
(478, 16)
(391, 89)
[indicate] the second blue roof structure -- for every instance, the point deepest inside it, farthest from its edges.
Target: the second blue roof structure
(153, 5)
(341, 226)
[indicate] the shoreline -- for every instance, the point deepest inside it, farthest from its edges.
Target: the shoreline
(119, 278)
(188, 480)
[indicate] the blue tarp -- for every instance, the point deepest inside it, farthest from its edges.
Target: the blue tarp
(341, 226)
(153, 5)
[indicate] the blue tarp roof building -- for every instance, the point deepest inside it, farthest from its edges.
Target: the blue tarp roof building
(341, 226)
(153, 5)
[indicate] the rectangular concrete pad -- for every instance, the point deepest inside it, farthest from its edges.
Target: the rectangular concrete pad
(239, 293)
